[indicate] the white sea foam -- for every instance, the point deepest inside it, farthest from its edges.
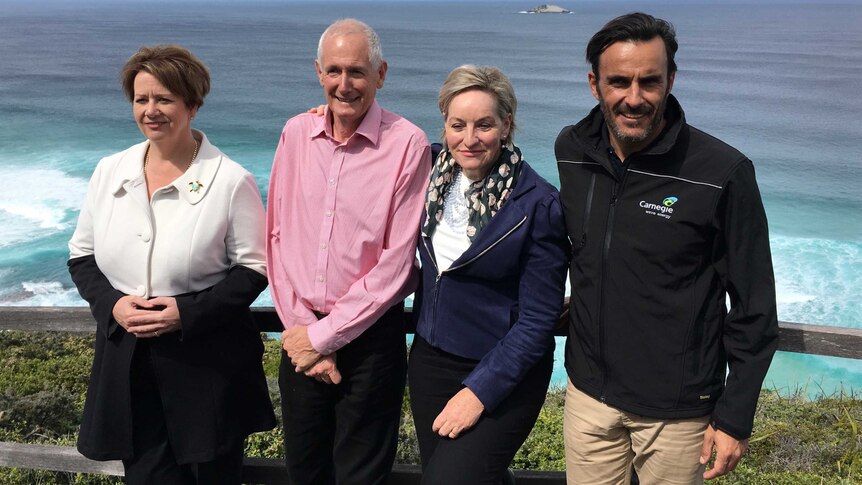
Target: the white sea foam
(786, 296)
(42, 293)
(817, 280)
(36, 202)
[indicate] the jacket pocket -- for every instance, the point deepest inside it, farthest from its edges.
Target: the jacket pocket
(585, 222)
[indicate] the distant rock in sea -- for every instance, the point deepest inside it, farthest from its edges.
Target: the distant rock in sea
(548, 9)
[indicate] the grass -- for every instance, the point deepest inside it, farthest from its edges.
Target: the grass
(796, 440)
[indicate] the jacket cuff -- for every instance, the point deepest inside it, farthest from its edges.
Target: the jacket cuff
(491, 394)
(96, 290)
(209, 310)
(111, 325)
(729, 429)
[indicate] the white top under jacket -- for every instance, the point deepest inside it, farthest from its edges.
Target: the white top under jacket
(450, 241)
(181, 240)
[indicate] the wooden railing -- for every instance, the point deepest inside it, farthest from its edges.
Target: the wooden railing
(795, 337)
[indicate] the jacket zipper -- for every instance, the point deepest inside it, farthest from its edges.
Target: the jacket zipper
(605, 252)
(451, 268)
(474, 258)
(587, 209)
(436, 288)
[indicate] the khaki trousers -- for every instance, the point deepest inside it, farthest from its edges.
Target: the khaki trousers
(602, 444)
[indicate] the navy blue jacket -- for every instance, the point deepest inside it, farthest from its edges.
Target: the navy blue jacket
(499, 301)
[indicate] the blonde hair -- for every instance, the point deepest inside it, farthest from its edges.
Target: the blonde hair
(485, 78)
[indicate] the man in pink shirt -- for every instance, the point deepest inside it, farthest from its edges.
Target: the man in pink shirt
(345, 198)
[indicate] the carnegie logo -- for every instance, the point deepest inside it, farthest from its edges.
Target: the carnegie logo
(665, 209)
(662, 210)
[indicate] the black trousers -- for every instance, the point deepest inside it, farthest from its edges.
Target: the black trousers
(153, 461)
(347, 433)
(482, 454)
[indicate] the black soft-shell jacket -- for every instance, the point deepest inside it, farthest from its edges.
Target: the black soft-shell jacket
(655, 251)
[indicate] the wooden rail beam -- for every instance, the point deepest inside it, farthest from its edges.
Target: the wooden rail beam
(820, 340)
(825, 340)
(254, 470)
(54, 458)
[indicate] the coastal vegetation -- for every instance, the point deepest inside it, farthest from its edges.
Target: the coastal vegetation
(796, 440)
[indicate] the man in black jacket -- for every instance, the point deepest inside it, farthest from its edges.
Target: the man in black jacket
(667, 226)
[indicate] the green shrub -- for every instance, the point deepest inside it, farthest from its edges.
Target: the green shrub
(43, 378)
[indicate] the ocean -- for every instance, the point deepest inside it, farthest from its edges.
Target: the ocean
(779, 81)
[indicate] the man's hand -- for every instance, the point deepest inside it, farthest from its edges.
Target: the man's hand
(728, 451)
(325, 370)
(319, 110)
(460, 414)
(295, 342)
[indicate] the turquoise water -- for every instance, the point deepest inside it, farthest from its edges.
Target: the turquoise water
(778, 81)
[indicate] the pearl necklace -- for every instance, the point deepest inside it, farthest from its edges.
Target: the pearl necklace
(194, 155)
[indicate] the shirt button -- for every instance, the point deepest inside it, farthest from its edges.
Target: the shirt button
(142, 290)
(322, 245)
(332, 181)
(145, 237)
(328, 213)
(320, 277)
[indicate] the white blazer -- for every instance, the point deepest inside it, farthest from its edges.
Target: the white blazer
(182, 240)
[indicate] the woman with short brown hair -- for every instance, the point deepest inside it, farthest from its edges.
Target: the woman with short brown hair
(169, 253)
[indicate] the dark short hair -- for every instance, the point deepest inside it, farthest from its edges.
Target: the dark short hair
(635, 26)
(176, 68)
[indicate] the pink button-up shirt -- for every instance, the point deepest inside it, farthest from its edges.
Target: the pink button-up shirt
(342, 222)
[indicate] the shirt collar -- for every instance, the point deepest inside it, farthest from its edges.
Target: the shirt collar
(192, 185)
(130, 169)
(605, 140)
(369, 128)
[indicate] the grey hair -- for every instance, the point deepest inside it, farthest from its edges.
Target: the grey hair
(484, 78)
(353, 26)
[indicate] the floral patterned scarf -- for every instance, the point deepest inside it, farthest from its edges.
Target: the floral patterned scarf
(485, 197)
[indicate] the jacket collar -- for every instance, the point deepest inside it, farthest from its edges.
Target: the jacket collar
(130, 171)
(512, 213)
(589, 131)
(369, 128)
